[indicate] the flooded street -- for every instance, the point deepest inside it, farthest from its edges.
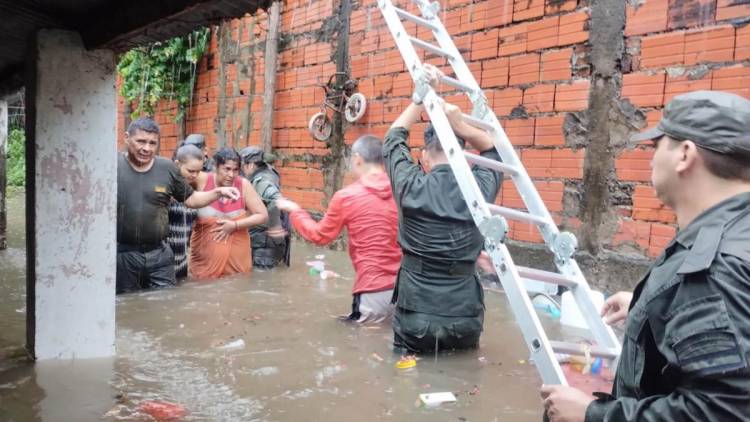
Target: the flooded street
(266, 347)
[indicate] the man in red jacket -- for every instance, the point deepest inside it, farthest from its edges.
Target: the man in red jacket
(366, 208)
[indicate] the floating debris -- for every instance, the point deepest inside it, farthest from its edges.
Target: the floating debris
(316, 267)
(406, 362)
(436, 399)
(233, 345)
(329, 274)
(162, 410)
(264, 371)
(377, 357)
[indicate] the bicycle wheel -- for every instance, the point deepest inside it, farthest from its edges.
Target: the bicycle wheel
(355, 107)
(320, 127)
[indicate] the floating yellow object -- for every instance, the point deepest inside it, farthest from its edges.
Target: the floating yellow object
(406, 363)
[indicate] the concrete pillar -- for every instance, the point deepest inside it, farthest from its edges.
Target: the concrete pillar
(3, 173)
(71, 201)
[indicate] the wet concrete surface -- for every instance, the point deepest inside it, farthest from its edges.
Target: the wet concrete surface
(297, 362)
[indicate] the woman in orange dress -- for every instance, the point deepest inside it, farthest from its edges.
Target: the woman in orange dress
(220, 244)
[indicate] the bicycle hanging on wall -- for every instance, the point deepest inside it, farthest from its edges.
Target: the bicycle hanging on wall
(341, 99)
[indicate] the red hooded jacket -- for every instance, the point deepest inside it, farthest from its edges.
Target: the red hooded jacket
(366, 208)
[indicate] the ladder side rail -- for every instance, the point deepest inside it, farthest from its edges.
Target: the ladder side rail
(602, 332)
(527, 319)
(401, 37)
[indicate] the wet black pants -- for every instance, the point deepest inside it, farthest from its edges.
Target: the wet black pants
(268, 252)
(144, 268)
(416, 332)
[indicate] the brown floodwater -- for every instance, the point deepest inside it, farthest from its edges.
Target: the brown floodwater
(296, 361)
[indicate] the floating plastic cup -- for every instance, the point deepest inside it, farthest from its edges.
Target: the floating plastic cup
(316, 267)
(571, 316)
(596, 367)
(547, 305)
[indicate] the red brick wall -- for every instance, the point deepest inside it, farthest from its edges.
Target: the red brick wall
(531, 58)
(676, 47)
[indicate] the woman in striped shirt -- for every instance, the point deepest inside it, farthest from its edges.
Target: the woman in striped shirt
(189, 160)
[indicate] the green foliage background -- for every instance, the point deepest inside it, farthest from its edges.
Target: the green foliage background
(162, 71)
(16, 161)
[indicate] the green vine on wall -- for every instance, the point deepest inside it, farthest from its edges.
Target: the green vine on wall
(162, 71)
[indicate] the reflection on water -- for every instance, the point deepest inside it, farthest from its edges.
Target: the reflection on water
(295, 360)
(13, 282)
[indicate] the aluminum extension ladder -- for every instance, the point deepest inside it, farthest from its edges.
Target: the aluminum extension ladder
(491, 218)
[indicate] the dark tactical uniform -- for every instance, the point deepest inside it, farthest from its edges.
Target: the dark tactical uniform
(269, 251)
(687, 338)
(438, 298)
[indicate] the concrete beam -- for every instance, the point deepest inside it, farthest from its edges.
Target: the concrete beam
(144, 21)
(72, 200)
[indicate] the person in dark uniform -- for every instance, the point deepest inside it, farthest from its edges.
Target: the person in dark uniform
(271, 242)
(146, 184)
(199, 141)
(439, 300)
(686, 351)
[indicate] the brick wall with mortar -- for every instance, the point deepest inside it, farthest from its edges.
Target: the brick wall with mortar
(569, 79)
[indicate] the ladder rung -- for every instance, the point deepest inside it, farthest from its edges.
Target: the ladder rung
(481, 124)
(456, 83)
(517, 215)
(431, 48)
(416, 19)
(490, 163)
(546, 276)
(577, 349)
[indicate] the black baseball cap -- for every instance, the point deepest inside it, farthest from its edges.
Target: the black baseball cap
(714, 120)
(251, 154)
(430, 136)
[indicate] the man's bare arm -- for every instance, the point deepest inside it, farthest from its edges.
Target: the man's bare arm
(477, 138)
(410, 115)
(201, 199)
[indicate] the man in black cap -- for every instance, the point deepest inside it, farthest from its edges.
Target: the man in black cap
(439, 301)
(686, 350)
(199, 141)
(271, 242)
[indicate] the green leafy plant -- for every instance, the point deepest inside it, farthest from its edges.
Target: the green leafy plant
(162, 71)
(16, 161)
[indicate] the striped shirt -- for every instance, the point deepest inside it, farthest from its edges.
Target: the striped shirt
(180, 227)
